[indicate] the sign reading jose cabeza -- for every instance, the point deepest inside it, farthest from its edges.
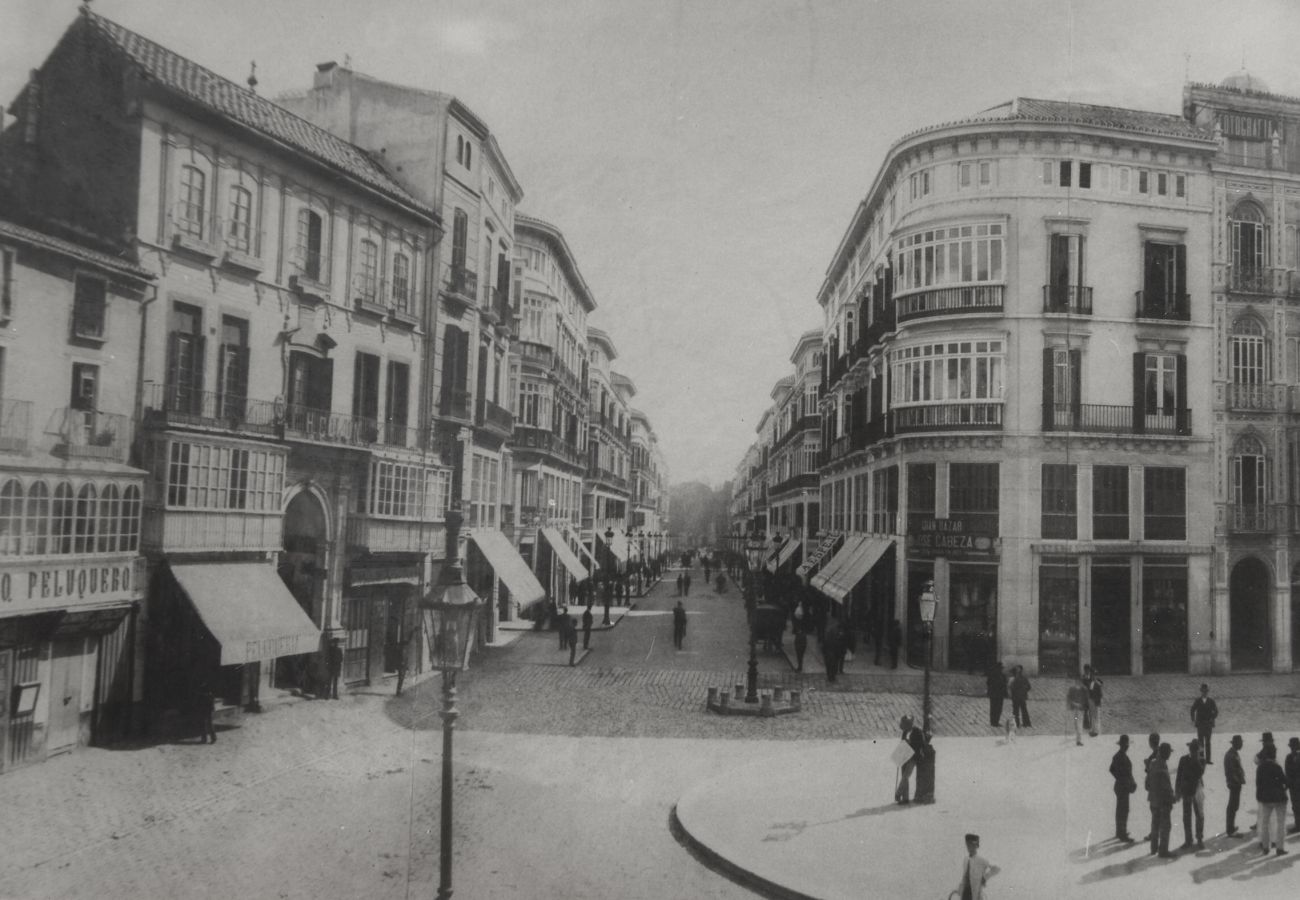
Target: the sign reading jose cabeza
(951, 537)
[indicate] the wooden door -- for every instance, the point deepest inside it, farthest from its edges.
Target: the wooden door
(65, 695)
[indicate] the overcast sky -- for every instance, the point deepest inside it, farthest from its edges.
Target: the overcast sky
(703, 157)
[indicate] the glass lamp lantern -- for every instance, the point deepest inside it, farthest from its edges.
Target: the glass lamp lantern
(453, 621)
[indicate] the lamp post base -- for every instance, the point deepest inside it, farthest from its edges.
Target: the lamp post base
(448, 714)
(751, 676)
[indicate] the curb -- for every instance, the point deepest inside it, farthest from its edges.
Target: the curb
(723, 866)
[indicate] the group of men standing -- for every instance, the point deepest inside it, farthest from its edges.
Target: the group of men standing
(1186, 785)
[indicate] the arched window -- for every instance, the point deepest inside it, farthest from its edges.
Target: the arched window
(11, 518)
(189, 213)
(1249, 483)
(62, 519)
(37, 522)
(87, 512)
(1250, 247)
(402, 283)
(129, 532)
(1248, 357)
(106, 540)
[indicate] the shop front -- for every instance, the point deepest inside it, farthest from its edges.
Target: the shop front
(379, 617)
(497, 572)
(960, 554)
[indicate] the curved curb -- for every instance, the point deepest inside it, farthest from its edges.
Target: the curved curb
(723, 866)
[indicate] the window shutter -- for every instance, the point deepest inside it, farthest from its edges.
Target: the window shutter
(200, 342)
(448, 368)
(172, 383)
(1049, 388)
(1076, 387)
(1182, 409)
(1179, 300)
(1151, 280)
(1139, 392)
(462, 359)
(324, 384)
(1058, 289)
(1081, 242)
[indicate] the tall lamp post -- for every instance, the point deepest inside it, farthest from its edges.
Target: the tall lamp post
(754, 550)
(640, 570)
(609, 571)
(928, 605)
(453, 610)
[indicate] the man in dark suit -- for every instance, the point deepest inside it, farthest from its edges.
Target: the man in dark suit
(1121, 769)
(586, 627)
(1191, 791)
(1235, 776)
(335, 662)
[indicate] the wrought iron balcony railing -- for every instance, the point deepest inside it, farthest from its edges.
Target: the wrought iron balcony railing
(1067, 298)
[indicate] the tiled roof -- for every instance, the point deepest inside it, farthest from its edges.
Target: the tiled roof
(1028, 109)
(193, 82)
(85, 254)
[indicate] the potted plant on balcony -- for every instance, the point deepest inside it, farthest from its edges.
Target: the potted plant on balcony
(105, 437)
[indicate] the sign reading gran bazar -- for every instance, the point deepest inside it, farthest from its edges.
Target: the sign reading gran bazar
(951, 538)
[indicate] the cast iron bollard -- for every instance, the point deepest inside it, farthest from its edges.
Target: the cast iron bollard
(713, 696)
(765, 704)
(724, 700)
(795, 699)
(776, 694)
(740, 689)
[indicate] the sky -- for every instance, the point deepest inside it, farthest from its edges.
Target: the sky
(703, 157)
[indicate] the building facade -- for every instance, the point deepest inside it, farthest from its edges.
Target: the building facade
(606, 494)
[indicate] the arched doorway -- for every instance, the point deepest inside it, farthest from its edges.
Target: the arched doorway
(1248, 616)
(303, 569)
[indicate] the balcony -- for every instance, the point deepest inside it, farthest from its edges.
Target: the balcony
(1168, 306)
(15, 425)
(454, 404)
(376, 534)
(808, 481)
(308, 275)
(1251, 397)
(399, 434)
(540, 355)
(495, 419)
(302, 423)
(461, 286)
(183, 530)
(950, 301)
(1249, 519)
(1067, 298)
(596, 473)
(545, 442)
(948, 417)
(368, 295)
(1099, 418)
(1244, 280)
(88, 434)
(167, 406)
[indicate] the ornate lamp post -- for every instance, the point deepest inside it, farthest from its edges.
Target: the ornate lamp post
(928, 605)
(609, 571)
(640, 570)
(453, 610)
(754, 552)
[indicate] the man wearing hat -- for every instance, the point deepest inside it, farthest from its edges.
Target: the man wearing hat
(1235, 776)
(975, 872)
(1270, 791)
(1160, 796)
(1293, 780)
(1204, 713)
(1121, 769)
(1189, 787)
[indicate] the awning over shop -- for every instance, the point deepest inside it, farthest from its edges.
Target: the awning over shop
(586, 551)
(509, 566)
(848, 567)
(248, 610)
(618, 546)
(92, 622)
(561, 548)
(814, 557)
(784, 555)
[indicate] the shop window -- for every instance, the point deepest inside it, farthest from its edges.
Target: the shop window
(973, 494)
(1058, 616)
(920, 493)
(1164, 614)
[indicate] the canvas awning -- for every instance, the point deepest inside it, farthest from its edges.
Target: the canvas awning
(509, 566)
(783, 556)
(815, 556)
(848, 567)
(566, 555)
(618, 546)
(248, 609)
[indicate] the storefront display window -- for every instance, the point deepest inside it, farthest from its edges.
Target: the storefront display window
(1058, 616)
(1164, 615)
(972, 617)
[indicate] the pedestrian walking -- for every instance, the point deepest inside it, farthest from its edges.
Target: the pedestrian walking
(571, 626)
(1019, 690)
(1292, 772)
(895, 642)
(1160, 797)
(686, 584)
(1153, 742)
(1270, 792)
(204, 701)
(562, 626)
(1235, 776)
(681, 577)
(679, 625)
(400, 652)
(832, 650)
(1190, 788)
(335, 668)
(1076, 701)
(925, 770)
(1121, 769)
(1093, 684)
(1204, 713)
(996, 681)
(976, 871)
(800, 646)
(586, 627)
(914, 740)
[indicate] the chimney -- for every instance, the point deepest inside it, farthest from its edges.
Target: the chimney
(324, 74)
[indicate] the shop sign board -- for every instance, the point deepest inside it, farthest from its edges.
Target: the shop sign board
(952, 538)
(59, 584)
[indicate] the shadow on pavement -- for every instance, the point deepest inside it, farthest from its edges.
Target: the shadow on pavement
(785, 831)
(1131, 867)
(1247, 862)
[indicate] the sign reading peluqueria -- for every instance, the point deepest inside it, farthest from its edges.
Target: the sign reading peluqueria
(54, 585)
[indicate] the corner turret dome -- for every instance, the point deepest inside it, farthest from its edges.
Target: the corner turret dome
(1244, 81)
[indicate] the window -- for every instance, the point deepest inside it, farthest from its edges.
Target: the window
(367, 280)
(920, 184)
(1060, 501)
(947, 372)
(311, 385)
(309, 245)
(83, 404)
(6, 284)
(1162, 184)
(973, 492)
(1165, 503)
(884, 500)
(406, 491)
(1110, 503)
(397, 402)
(1250, 245)
(11, 518)
(957, 255)
(1164, 384)
(1144, 179)
(1125, 175)
(128, 535)
(239, 230)
(1248, 352)
(89, 304)
(184, 375)
(189, 217)
(920, 491)
(365, 394)
(402, 283)
(232, 368)
(87, 514)
(62, 517)
(1065, 272)
(987, 172)
(218, 477)
(1180, 185)
(459, 241)
(1066, 172)
(1062, 388)
(1164, 281)
(110, 517)
(36, 525)
(1085, 175)
(1249, 484)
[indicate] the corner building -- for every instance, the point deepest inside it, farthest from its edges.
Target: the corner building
(1015, 402)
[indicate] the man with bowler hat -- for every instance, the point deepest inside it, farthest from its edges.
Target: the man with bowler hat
(1160, 797)
(1190, 788)
(1121, 769)
(975, 872)
(586, 627)
(1235, 777)
(1204, 713)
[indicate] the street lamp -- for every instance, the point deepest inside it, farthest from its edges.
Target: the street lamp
(928, 605)
(754, 550)
(453, 610)
(609, 571)
(640, 570)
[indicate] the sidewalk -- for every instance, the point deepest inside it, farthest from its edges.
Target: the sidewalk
(821, 822)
